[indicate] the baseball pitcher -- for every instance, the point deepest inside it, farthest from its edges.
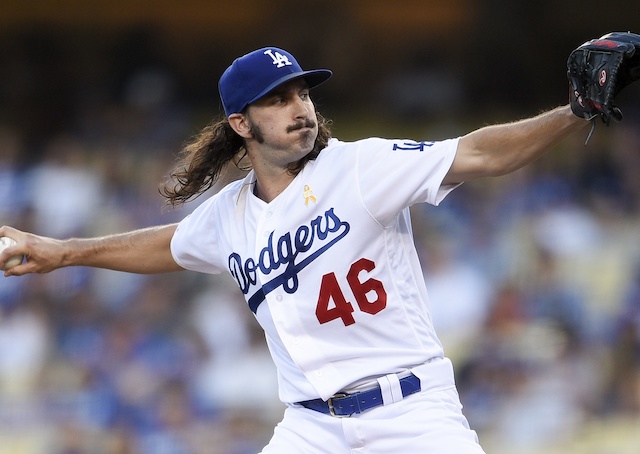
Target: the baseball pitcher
(318, 239)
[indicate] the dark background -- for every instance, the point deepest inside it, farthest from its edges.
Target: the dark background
(409, 60)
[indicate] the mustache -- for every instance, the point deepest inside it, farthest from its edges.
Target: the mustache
(308, 123)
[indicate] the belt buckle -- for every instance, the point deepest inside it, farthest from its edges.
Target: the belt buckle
(332, 410)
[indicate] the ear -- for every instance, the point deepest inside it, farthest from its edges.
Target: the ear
(240, 125)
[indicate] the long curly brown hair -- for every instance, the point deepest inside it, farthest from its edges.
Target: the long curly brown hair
(202, 161)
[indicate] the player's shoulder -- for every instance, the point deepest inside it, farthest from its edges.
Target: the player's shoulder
(382, 144)
(335, 143)
(337, 146)
(371, 142)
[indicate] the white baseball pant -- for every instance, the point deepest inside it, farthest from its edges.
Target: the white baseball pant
(428, 422)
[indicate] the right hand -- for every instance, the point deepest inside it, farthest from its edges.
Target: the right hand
(41, 254)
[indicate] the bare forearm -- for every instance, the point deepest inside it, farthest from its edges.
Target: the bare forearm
(141, 251)
(500, 149)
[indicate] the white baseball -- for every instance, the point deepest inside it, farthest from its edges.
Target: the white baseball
(6, 242)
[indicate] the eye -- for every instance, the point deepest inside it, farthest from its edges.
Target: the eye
(305, 95)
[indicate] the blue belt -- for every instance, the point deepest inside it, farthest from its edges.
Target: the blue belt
(349, 404)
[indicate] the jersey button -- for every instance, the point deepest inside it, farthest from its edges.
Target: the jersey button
(279, 298)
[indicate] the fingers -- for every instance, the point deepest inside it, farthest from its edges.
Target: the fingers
(18, 270)
(41, 254)
(27, 267)
(11, 251)
(5, 230)
(21, 248)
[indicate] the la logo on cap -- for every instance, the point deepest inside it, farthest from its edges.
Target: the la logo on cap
(252, 76)
(278, 59)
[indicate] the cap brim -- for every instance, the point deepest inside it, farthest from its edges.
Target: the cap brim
(314, 78)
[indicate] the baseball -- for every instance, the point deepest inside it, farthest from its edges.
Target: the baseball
(6, 242)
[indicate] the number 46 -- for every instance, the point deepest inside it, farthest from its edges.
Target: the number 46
(330, 291)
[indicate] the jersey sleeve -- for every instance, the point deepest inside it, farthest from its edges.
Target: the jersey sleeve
(194, 245)
(395, 174)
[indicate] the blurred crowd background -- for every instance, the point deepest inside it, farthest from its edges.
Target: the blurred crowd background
(534, 277)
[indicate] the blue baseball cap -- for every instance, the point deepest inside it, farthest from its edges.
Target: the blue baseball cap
(255, 74)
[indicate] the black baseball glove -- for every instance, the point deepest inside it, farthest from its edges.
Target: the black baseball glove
(598, 70)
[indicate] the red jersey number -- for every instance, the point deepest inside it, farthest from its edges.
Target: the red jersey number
(370, 295)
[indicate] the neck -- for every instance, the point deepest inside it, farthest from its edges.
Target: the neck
(269, 190)
(272, 175)
(270, 185)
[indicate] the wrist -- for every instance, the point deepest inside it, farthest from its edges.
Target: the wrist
(75, 252)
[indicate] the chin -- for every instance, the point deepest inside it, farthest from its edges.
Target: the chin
(308, 136)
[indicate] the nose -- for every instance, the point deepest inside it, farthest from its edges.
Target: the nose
(301, 108)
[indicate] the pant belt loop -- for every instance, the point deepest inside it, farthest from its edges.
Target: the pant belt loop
(390, 389)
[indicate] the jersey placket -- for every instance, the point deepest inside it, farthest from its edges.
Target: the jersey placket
(282, 305)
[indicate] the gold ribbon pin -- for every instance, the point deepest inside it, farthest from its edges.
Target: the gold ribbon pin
(308, 195)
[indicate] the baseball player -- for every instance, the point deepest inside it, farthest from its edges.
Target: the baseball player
(318, 239)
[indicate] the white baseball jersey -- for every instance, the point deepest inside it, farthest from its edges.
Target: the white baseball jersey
(329, 267)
